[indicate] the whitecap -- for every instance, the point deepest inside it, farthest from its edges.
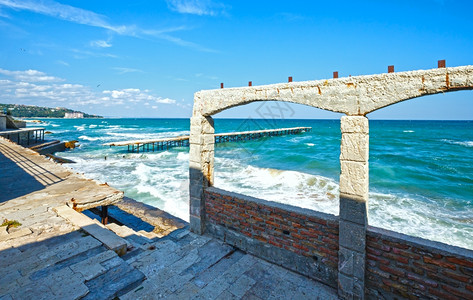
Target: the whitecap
(183, 156)
(88, 138)
(408, 131)
(461, 143)
(290, 187)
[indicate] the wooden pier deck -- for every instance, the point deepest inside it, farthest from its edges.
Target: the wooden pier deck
(181, 141)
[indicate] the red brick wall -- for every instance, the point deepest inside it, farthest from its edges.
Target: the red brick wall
(290, 229)
(400, 265)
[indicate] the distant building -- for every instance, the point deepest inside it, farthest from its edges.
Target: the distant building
(74, 115)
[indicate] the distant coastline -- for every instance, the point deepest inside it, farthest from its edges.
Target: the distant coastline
(32, 111)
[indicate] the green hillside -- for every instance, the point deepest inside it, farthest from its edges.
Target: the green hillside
(31, 111)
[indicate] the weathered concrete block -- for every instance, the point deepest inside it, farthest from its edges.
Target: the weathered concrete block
(353, 209)
(354, 178)
(195, 189)
(196, 175)
(352, 236)
(345, 286)
(196, 207)
(351, 263)
(354, 147)
(207, 157)
(358, 288)
(206, 123)
(197, 137)
(354, 124)
(101, 233)
(16, 234)
(196, 225)
(194, 154)
(208, 138)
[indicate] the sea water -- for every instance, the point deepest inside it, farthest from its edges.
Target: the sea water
(421, 175)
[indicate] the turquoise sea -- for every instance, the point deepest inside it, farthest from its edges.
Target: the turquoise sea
(421, 174)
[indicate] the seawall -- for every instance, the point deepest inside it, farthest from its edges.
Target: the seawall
(305, 241)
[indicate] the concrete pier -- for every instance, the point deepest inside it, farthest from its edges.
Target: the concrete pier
(179, 141)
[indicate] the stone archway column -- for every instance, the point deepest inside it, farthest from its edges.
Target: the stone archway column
(201, 168)
(354, 182)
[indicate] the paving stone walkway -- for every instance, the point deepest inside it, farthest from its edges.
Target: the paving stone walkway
(52, 255)
(188, 266)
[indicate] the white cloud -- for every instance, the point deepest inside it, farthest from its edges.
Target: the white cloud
(64, 12)
(196, 7)
(122, 70)
(136, 96)
(81, 16)
(30, 76)
(61, 62)
(100, 44)
(37, 88)
(79, 54)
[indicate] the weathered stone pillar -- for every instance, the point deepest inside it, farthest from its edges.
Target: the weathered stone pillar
(201, 168)
(354, 178)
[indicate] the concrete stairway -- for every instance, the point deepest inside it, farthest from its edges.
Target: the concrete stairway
(62, 254)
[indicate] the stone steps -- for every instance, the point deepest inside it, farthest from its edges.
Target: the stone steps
(188, 266)
(94, 228)
(134, 239)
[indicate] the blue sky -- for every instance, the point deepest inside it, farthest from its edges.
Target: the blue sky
(148, 58)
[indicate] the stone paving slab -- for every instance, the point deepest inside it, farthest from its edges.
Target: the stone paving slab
(27, 176)
(210, 269)
(100, 232)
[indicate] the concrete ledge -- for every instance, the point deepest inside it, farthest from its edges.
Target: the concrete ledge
(298, 210)
(431, 246)
(98, 231)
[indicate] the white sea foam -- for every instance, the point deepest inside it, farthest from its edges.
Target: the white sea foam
(289, 187)
(92, 126)
(409, 131)
(54, 125)
(413, 217)
(299, 139)
(79, 128)
(183, 156)
(461, 143)
(88, 138)
(310, 144)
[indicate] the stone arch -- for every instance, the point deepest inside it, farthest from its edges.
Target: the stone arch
(357, 95)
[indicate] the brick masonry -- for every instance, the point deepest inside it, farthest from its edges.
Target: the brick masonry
(290, 231)
(401, 266)
(397, 266)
